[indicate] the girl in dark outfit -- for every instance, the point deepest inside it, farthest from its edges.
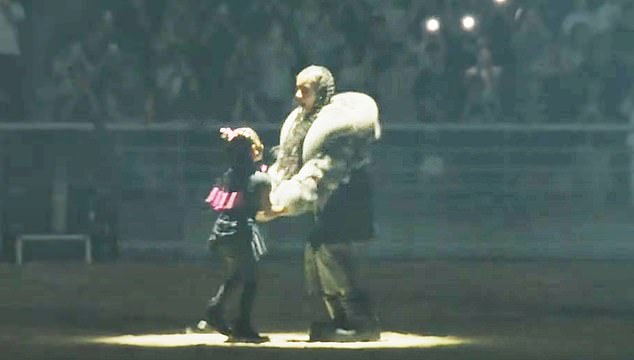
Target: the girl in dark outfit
(241, 195)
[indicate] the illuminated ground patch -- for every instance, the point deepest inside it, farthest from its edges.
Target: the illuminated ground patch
(280, 340)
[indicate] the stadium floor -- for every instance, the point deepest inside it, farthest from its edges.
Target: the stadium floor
(495, 309)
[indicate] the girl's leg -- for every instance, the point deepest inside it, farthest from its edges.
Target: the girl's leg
(216, 307)
(243, 329)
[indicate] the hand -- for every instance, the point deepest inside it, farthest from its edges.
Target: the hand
(270, 214)
(278, 209)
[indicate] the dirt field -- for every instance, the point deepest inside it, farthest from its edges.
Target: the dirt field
(507, 309)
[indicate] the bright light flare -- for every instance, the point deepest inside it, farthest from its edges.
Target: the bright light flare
(500, 2)
(468, 22)
(279, 340)
(432, 25)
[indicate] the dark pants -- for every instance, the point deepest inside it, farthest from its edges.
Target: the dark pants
(240, 272)
(11, 97)
(331, 271)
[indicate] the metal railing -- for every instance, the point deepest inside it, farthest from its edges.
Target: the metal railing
(427, 174)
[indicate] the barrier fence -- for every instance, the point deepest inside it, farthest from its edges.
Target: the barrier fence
(435, 185)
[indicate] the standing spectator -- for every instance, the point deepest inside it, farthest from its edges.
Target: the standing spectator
(100, 37)
(353, 19)
(627, 106)
(590, 109)
(556, 71)
(608, 15)
(355, 72)
(11, 103)
(431, 89)
(482, 88)
(74, 76)
(627, 110)
(244, 68)
(601, 66)
(581, 15)
(529, 44)
(278, 60)
(421, 43)
(623, 35)
(119, 85)
(217, 41)
(394, 88)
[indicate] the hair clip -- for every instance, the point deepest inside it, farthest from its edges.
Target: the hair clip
(229, 133)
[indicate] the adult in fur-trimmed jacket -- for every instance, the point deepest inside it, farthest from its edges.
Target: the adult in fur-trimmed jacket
(322, 168)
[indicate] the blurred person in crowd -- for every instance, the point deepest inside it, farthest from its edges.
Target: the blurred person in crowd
(431, 89)
(140, 20)
(259, 13)
(554, 70)
(626, 109)
(529, 42)
(570, 88)
(380, 46)
(353, 20)
(74, 75)
(482, 82)
(430, 33)
(355, 70)
(98, 39)
(314, 28)
(530, 38)
(608, 15)
(278, 59)
(498, 29)
(119, 85)
(322, 169)
(450, 17)
(398, 15)
(324, 41)
(178, 25)
(217, 41)
(601, 66)
(244, 68)
(394, 88)
(11, 96)
(623, 35)
(580, 15)
(578, 43)
(590, 109)
(177, 85)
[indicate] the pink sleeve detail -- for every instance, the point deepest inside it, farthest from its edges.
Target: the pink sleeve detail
(231, 202)
(212, 195)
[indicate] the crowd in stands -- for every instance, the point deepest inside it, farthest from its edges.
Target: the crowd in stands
(530, 61)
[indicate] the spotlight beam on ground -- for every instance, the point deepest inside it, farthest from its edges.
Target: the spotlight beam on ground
(279, 340)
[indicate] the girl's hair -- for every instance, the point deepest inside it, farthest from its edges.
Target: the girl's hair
(240, 144)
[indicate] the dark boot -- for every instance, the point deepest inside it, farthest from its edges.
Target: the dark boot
(336, 310)
(215, 310)
(352, 321)
(243, 331)
(360, 317)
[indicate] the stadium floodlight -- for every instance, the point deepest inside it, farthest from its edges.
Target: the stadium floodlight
(432, 25)
(468, 22)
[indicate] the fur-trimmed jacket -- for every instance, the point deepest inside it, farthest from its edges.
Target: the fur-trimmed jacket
(334, 154)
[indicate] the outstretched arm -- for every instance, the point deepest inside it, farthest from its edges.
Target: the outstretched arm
(266, 211)
(320, 176)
